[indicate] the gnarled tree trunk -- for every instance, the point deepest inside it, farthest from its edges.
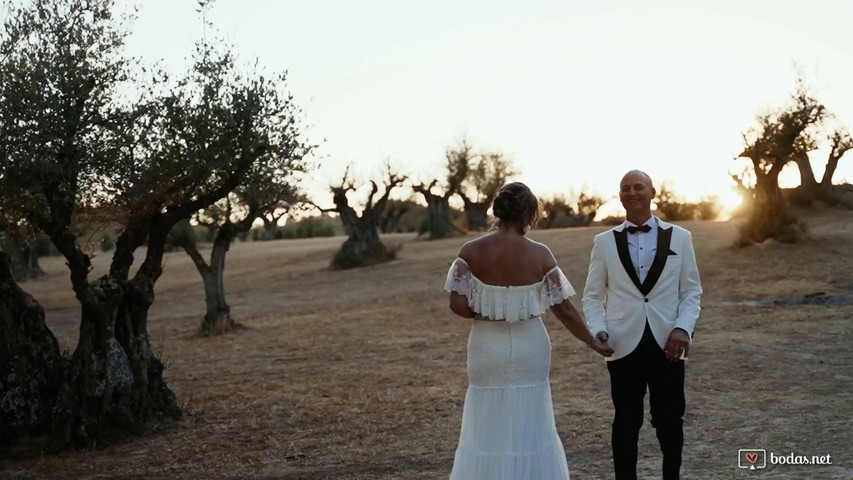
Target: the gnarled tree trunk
(808, 190)
(31, 364)
(770, 216)
(390, 220)
(362, 246)
(476, 213)
(217, 318)
(439, 218)
(271, 224)
(96, 401)
(270, 228)
(841, 144)
(152, 399)
(114, 385)
(826, 181)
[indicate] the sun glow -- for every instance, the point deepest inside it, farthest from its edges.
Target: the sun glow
(577, 93)
(730, 200)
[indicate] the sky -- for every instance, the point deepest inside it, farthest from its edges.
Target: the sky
(575, 92)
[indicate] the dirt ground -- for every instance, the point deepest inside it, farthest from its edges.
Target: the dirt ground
(361, 374)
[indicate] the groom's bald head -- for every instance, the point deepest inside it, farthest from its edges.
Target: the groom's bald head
(636, 193)
(637, 175)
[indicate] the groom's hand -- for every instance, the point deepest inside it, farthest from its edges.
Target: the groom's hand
(677, 344)
(600, 344)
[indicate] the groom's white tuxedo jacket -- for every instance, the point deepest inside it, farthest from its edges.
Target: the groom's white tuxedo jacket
(616, 302)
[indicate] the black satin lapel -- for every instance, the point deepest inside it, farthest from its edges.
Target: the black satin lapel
(664, 239)
(625, 257)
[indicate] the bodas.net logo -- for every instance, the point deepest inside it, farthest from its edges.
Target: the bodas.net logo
(752, 458)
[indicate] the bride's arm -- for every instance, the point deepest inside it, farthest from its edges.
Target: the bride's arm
(459, 305)
(571, 319)
(566, 311)
(459, 284)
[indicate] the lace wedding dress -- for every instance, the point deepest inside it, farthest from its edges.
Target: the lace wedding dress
(508, 430)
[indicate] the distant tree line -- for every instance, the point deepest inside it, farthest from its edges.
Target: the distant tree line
(671, 209)
(559, 212)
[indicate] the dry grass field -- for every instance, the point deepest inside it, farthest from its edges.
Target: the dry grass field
(361, 374)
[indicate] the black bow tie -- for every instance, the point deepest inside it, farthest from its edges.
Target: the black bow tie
(642, 228)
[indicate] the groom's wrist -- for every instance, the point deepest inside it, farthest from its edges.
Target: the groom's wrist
(689, 335)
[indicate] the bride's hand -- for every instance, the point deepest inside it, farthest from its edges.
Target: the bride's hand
(601, 347)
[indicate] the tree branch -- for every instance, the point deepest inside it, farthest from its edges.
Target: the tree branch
(323, 210)
(841, 143)
(393, 181)
(196, 257)
(373, 190)
(131, 238)
(424, 189)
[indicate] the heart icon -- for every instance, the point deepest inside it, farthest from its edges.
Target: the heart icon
(751, 457)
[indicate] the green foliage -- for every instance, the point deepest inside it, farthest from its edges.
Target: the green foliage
(489, 175)
(458, 165)
(558, 213)
(554, 209)
(784, 134)
(310, 227)
(588, 206)
(671, 209)
(63, 126)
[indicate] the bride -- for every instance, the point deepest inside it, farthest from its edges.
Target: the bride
(505, 282)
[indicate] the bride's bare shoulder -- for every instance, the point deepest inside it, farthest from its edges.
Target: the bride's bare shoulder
(468, 251)
(543, 254)
(539, 247)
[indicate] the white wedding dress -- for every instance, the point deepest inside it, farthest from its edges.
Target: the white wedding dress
(508, 430)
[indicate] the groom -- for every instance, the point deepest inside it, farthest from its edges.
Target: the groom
(642, 296)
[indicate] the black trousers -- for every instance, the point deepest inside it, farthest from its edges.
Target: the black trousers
(648, 366)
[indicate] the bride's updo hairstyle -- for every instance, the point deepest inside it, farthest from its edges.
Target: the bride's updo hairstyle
(516, 205)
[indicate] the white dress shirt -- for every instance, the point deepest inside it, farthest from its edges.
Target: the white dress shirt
(643, 247)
